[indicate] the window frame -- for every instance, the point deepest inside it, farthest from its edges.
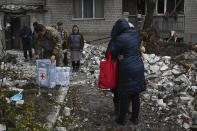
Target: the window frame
(94, 13)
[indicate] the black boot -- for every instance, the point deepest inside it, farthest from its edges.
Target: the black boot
(74, 66)
(77, 68)
(121, 120)
(74, 69)
(135, 109)
(116, 102)
(135, 121)
(116, 108)
(77, 65)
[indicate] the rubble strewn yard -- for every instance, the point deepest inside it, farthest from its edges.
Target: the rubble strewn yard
(169, 103)
(30, 112)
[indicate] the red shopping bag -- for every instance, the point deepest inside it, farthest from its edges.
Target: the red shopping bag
(108, 73)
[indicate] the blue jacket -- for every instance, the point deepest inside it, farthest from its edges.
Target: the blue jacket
(125, 41)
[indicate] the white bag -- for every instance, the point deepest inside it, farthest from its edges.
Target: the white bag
(63, 76)
(46, 73)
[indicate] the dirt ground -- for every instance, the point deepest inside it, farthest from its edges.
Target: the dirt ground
(43, 102)
(92, 110)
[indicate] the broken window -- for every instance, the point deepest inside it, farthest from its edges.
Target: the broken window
(170, 6)
(141, 7)
(160, 6)
(180, 6)
(175, 6)
(129, 6)
(88, 9)
(134, 7)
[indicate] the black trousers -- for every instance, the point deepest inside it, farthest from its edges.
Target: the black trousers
(122, 101)
(27, 47)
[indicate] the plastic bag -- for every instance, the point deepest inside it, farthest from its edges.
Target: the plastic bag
(17, 97)
(46, 73)
(63, 76)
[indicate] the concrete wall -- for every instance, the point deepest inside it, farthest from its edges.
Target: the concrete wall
(190, 21)
(61, 10)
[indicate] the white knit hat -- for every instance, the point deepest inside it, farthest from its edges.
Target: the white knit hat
(131, 25)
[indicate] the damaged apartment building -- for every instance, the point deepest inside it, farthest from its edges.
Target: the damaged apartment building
(95, 18)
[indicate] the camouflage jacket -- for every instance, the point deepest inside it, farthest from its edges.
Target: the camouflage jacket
(50, 42)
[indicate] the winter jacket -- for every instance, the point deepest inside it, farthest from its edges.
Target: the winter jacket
(125, 41)
(26, 33)
(76, 42)
(51, 42)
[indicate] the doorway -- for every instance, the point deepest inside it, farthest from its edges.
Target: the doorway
(14, 24)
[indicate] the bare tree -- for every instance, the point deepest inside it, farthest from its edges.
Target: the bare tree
(150, 14)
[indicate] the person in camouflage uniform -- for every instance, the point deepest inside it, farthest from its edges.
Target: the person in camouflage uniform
(48, 38)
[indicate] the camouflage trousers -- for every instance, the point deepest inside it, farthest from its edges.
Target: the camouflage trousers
(58, 57)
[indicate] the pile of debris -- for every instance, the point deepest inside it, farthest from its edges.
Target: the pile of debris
(14, 62)
(172, 89)
(91, 62)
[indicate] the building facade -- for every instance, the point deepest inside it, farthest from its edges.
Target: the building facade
(178, 15)
(190, 30)
(95, 18)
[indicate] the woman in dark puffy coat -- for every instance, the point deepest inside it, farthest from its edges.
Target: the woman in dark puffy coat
(76, 44)
(124, 46)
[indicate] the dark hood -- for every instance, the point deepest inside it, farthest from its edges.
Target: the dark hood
(120, 26)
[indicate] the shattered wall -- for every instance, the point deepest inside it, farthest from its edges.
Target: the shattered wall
(190, 21)
(61, 10)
